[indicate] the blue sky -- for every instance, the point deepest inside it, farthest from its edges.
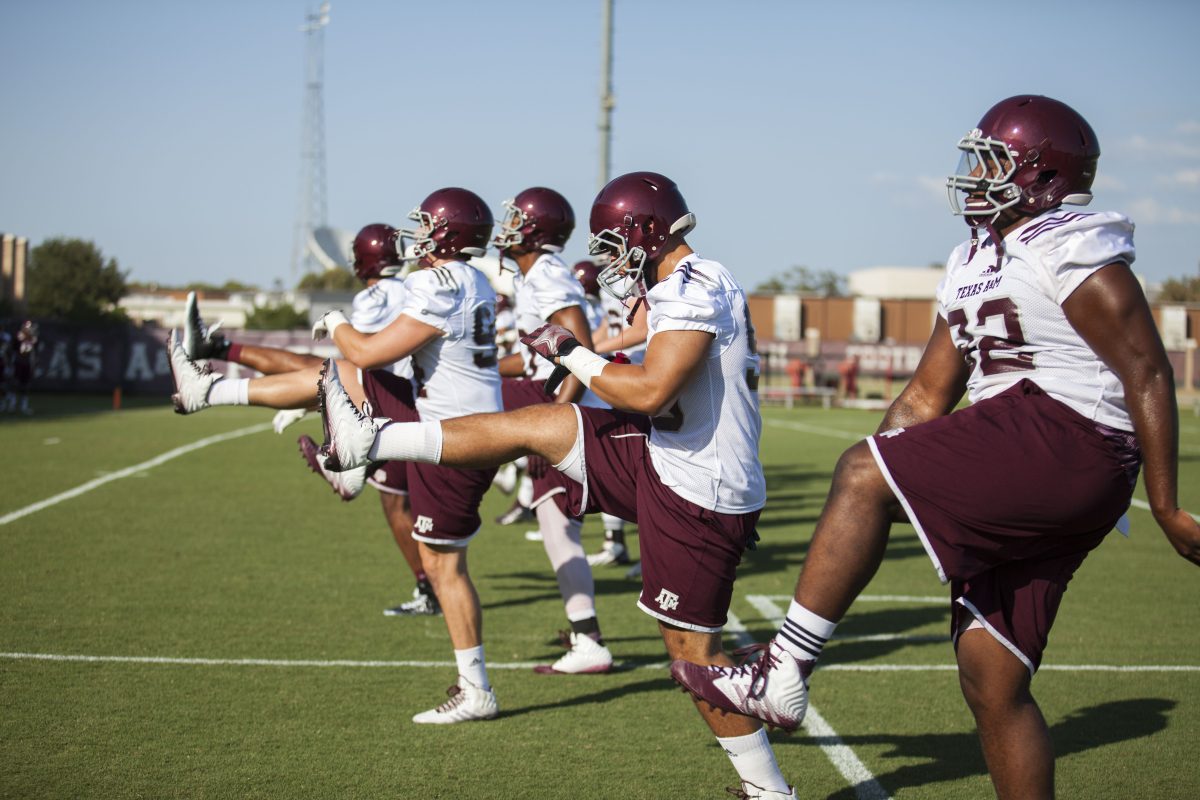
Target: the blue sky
(801, 133)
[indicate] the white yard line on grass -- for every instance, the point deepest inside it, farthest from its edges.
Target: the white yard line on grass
(800, 426)
(522, 665)
(128, 471)
(1142, 504)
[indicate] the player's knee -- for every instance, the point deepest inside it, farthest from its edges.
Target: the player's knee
(992, 693)
(858, 473)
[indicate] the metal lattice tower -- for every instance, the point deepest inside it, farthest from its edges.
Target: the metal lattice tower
(312, 207)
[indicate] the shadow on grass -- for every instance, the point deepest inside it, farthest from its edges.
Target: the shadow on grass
(621, 691)
(955, 756)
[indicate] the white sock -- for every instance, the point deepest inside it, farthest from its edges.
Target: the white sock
(525, 491)
(564, 546)
(804, 633)
(472, 666)
(230, 392)
(754, 760)
(408, 441)
(611, 523)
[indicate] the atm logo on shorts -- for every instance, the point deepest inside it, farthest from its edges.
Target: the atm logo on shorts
(667, 601)
(423, 524)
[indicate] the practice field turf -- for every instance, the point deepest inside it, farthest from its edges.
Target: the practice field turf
(189, 612)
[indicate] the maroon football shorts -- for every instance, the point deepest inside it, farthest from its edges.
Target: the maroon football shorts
(689, 554)
(1009, 496)
(547, 481)
(444, 501)
(390, 396)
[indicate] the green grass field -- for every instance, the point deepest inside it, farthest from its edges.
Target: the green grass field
(260, 594)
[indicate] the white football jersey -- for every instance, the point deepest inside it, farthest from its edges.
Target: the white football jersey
(705, 448)
(616, 315)
(597, 322)
(456, 374)
(549, 286)
(374, 308)
(1009, 324)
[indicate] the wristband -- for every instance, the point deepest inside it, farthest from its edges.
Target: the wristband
(584, 364)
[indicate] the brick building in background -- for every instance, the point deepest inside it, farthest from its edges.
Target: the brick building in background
(14, 256)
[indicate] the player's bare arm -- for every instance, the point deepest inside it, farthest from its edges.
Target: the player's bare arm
(651, 387)
(1111, 314)
(936, 387)
(401, 338)
(573, 319)
(512, 366)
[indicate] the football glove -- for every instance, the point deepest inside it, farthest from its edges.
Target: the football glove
(328, 323)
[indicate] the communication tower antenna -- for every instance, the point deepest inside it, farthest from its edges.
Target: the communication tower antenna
(607, 100)
(312, 204)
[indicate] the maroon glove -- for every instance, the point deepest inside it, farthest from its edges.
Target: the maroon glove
(551, 342)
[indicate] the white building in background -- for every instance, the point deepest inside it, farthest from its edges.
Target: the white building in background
(896, 283)
(166, 307)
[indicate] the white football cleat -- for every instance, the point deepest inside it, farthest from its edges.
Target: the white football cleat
(199, 340)
(610, 553)
(348, 484)
(585, 656)
(506, 478)
(192, 381)
(287, 417)
(773, 688)
(349, 433)
(749, 791)
(467, 703)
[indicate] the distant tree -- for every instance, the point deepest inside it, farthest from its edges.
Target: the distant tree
(195, 286)
(331, 280)
(280, 317)
(68, 279)
(228, 286)
(1180, 290)
(802, 280)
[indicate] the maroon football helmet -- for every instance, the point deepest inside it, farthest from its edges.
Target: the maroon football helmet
(536, 219)
(587, 272)
(633, 219)
(453, 222)
(1029, 153)
(375, 253)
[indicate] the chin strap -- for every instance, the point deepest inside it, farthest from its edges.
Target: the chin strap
(633, 311)
(998, 242)
(994, 236)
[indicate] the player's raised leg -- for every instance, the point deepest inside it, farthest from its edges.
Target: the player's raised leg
(475, 441)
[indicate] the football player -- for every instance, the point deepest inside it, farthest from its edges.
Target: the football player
(1044, 326)
(8, 402)
(379, 265)
(536, 225)
(677, 452)
(611, 333)
(24, 363)
(447, 326)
